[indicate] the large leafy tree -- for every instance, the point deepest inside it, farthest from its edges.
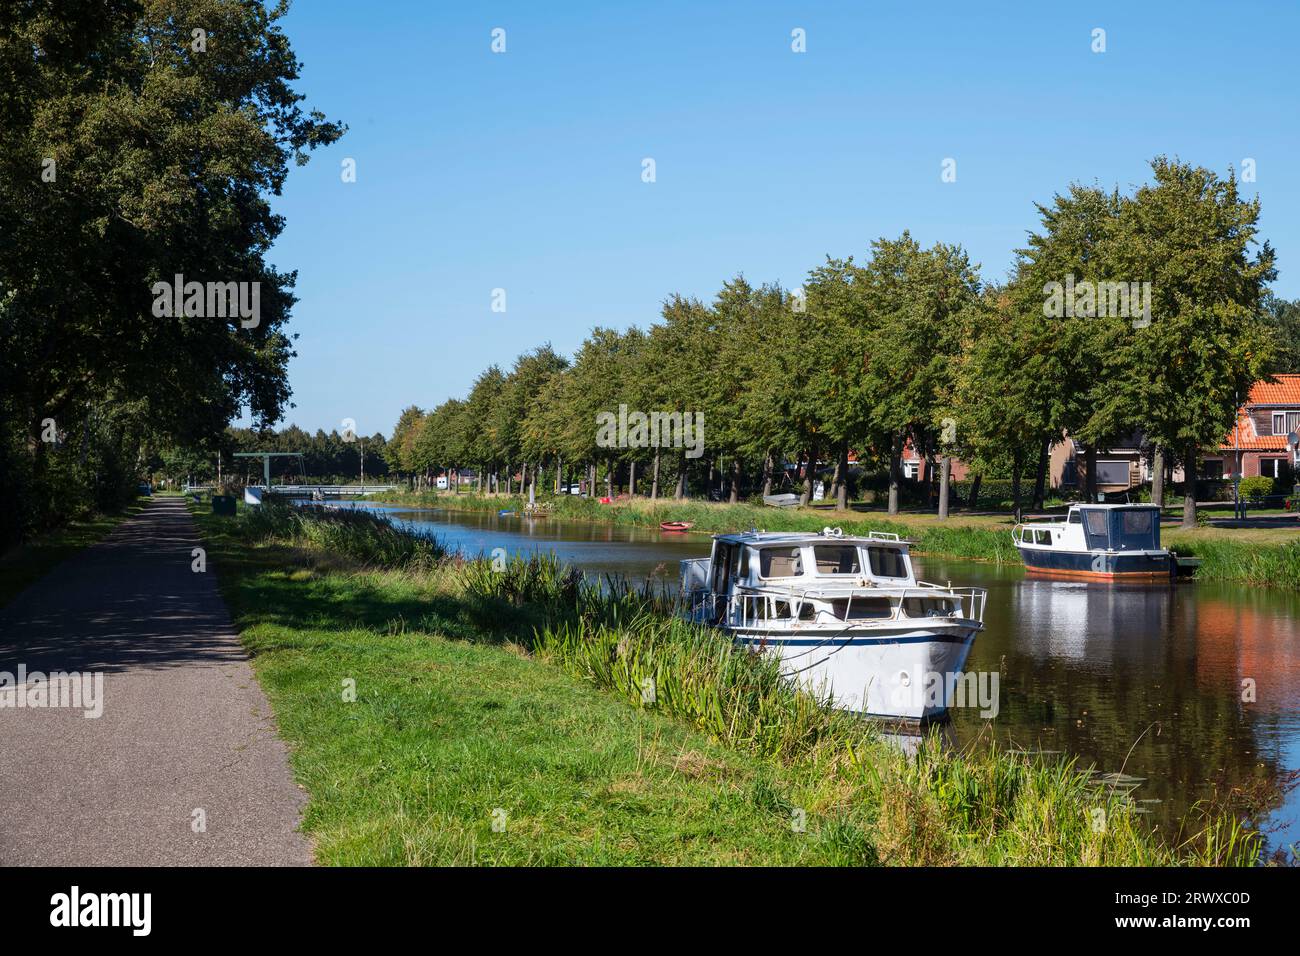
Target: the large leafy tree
(1191, 235)
(133, 149)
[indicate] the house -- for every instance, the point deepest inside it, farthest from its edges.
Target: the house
(1121, 467)
(1258, 443)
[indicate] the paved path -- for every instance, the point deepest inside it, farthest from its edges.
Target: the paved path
(185, 725)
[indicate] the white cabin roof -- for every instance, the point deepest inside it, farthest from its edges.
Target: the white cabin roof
(806, 537)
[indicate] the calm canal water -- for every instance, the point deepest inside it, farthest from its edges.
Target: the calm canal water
(1143, 680)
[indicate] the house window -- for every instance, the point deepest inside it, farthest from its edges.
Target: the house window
(1272, 467)
(1112, 473)
(1285, 422)
(1212, 468)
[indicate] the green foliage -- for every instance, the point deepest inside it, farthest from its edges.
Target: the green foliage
(127, 157)
(1255, 488)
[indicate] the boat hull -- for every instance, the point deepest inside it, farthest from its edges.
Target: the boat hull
(1098, 566)
(905, 673)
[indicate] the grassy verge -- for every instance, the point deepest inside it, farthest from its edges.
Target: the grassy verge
(602, 731)
(32, 560)
(1267, 557)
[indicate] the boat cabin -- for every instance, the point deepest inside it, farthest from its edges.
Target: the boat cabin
(760, 559)
(1098, 528)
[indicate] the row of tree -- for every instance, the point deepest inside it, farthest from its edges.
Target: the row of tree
(910, 346)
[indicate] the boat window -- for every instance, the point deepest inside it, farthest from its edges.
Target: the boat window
(1075, 518)
(779, 562)
(807, 611)
(744, 564)
(1097, 525)
(862, 609)
(782, 609)
(1042, 537)
(927, 607)
(837, 559)
(887, 562)
(1135, 530)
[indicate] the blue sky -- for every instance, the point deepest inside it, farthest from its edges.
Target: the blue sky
(523, 170)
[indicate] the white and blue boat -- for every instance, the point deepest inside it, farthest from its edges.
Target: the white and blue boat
(1099, 542)
(845, 615)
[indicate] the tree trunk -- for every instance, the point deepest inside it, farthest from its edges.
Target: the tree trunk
(1189, 484)
(559, 473)
(609, 479)
(1158, 477)
(681, 477)
(735, 480)
(1017, 465)
(1090, 467)
(810, 475)
(972, 502)
(842, 477)
(654, 482)
(895, 454)
(1040, 479)
(631, 478)
(767, 474)
(945, 471)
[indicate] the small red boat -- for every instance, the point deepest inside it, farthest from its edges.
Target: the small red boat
(676, 525)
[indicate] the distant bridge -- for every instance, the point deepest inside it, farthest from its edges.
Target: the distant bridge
(328, 491)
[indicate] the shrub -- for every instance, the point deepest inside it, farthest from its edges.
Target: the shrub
(1255, 488)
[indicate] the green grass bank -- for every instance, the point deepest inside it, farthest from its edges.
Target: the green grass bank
(522, 716)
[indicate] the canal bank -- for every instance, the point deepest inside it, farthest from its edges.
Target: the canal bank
(1259, 557)
(433, 649)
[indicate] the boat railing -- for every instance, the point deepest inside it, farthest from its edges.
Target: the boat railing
(747, 608)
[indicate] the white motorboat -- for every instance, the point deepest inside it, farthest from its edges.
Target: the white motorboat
(846, 616)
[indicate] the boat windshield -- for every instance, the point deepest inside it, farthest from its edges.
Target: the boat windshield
(779, 563)
(837, 559)
(887, 562)
(1135, 530)
(1096, 525)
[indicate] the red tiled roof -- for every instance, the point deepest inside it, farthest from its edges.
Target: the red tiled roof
(1285, 391)
(1244, 435)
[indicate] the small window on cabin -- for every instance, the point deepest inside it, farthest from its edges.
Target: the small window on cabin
(837, 559)
(1075, 518)
(782, 610)
(807, 611)
(927, 607)
(779, 562)
(744, 563)
(1043, 537)
(862, 609)
(887, 562)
